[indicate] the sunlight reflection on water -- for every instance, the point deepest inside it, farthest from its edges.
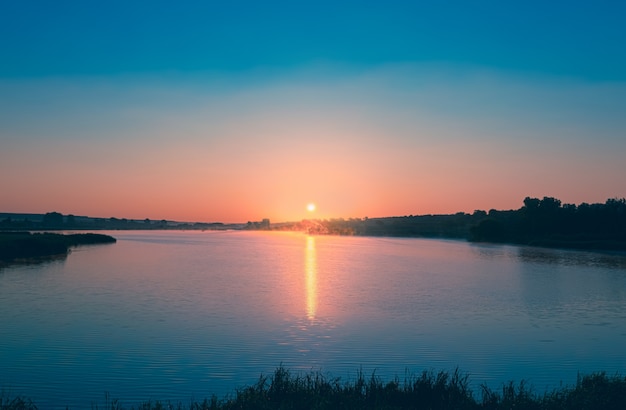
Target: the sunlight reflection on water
(311, 277)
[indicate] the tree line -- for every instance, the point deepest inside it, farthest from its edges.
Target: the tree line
(548, 222)
(58, 221)
(540, 222)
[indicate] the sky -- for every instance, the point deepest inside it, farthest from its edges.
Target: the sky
(237, 111)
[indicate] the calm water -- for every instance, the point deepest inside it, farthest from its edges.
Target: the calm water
(180, 315)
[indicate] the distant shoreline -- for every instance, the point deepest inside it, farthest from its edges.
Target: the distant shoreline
(539, 222)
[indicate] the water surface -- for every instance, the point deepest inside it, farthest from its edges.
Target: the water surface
(181, 315)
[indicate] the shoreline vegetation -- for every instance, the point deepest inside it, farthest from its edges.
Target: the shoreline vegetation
(27, 247)
(539, 222)
(428, 390)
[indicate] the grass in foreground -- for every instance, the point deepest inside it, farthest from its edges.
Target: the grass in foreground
(430, 390)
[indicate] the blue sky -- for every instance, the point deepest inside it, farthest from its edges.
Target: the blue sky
(235, 111)
(575, 38)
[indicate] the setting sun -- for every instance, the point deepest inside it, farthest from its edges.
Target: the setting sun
(310, 207)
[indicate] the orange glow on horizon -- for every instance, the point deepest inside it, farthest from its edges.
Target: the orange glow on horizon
(358, 145)
(243, 178)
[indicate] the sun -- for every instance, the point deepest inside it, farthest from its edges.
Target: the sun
(310, 207)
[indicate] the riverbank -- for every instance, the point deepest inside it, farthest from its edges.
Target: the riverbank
(429, 390)
(540, 222)
(26, 246)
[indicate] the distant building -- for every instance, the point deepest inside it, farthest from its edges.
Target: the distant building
(262, 225)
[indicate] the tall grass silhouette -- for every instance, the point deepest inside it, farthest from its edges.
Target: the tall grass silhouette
(428, 390)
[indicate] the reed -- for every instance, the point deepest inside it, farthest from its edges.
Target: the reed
(428, 390)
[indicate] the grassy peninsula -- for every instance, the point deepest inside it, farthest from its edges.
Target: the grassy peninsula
(27, 246)
(428, 390)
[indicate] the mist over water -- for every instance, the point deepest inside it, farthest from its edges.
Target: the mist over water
(181, 315)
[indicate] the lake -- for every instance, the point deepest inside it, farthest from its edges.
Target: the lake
(168, 315)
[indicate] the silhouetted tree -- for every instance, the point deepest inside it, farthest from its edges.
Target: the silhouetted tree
(531, 204)
(53, 219)
(479, 214)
